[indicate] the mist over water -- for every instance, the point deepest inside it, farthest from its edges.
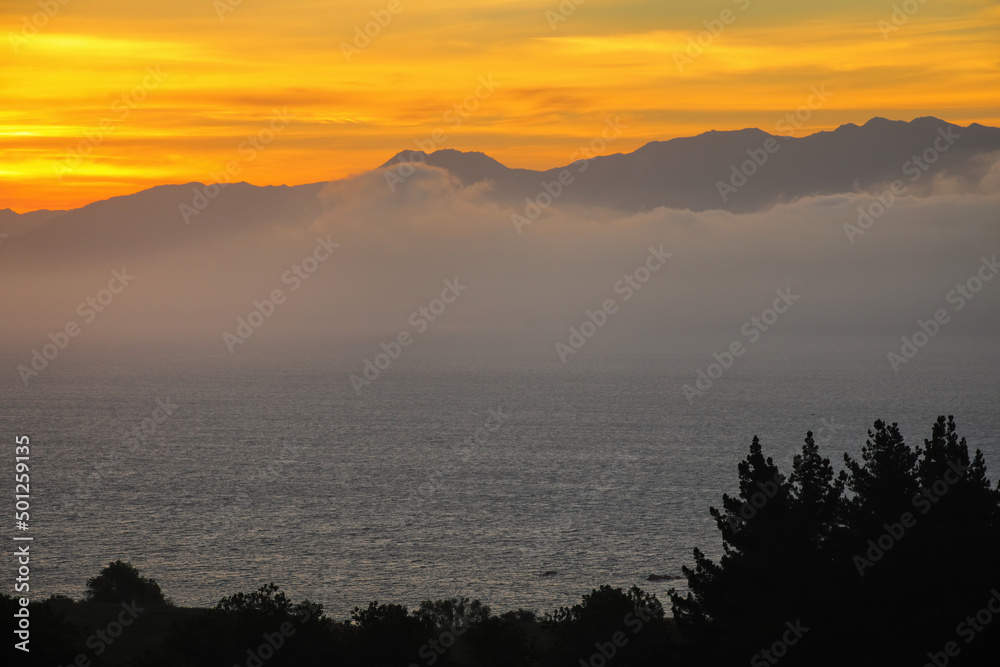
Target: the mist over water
(395, 253)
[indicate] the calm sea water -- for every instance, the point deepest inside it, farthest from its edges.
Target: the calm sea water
(271, 467)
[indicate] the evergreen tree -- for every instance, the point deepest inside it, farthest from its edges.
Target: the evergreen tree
(851, 557)
(885, 481)
(742, 597)
(817, 495)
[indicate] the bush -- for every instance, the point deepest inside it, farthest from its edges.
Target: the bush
(628, 626)
(121, 582)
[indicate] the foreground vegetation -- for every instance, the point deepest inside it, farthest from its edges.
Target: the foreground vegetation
(893, 561)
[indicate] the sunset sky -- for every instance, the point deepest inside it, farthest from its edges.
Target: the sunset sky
(221, 80)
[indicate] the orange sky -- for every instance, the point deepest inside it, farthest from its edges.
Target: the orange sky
(220, 80)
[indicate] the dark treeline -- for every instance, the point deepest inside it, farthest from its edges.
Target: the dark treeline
(893, 561)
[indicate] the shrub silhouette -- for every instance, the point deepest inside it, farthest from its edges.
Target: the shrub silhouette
(578, 631)
(268, 600)
(387, 634)
(467, 633)
(121, 582)
(242, 622)
(54, 639)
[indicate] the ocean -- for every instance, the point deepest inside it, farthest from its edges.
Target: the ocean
(469, 467)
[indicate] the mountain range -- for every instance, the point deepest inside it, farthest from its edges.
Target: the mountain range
(738, 171)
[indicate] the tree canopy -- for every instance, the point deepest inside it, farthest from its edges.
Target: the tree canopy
(121, 582)
(882, 562)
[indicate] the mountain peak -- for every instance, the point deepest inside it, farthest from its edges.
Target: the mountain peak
(468, 166)
(879, 121)
(405, 156)
(443, 158)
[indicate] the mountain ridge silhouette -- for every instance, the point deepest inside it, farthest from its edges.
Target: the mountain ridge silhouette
(679, 173)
